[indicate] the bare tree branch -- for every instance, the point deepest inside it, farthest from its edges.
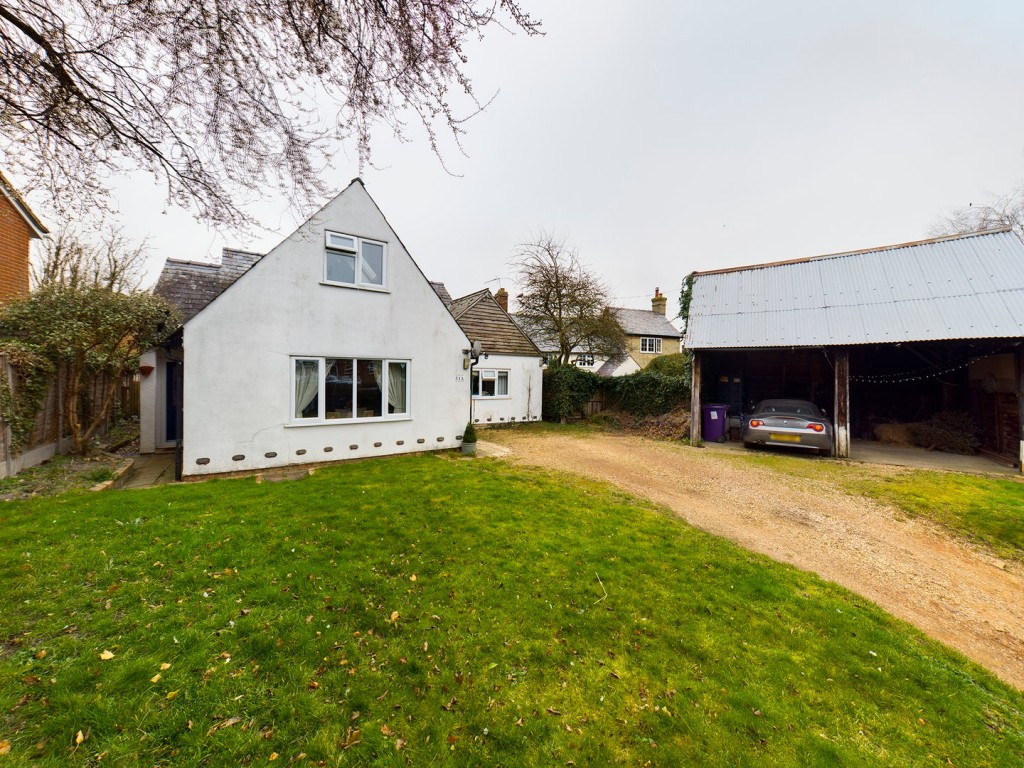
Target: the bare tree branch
(1002, 211)
(214, 97)
(563, 301)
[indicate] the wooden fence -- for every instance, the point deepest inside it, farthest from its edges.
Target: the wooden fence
(50, 436)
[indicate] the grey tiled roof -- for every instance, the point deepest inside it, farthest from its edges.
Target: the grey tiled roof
(190, 285)
(441, 291)
(482, 319)
(644, 322)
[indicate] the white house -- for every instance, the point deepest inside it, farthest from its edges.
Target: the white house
(507, 379)
(331, 346)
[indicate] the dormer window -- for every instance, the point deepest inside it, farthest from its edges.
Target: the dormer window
(353, 261)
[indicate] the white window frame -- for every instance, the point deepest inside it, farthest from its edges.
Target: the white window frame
(650, 345)
(478, 378)
(356, 250)
(320, 418)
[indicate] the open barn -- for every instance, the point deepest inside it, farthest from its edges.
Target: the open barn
(882, 336)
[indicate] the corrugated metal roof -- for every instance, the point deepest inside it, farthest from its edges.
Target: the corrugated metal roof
(960, 287)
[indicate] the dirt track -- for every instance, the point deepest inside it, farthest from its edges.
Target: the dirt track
(966, 599)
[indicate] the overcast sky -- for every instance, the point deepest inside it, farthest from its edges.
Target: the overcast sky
(664, 137)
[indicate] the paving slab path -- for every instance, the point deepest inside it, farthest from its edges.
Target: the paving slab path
(914, 569)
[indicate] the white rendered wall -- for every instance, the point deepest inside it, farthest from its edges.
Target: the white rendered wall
(238, 354)
(525, 382)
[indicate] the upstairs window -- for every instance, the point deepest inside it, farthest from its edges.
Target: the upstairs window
(651, 344)
(353, 261)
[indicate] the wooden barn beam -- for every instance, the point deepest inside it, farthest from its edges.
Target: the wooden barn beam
(695, 432)
(841, 411)
(1020, 406)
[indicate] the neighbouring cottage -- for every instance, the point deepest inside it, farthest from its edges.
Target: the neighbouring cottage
(507, 379)
(649, 334)
(892, 334)
(331, 346)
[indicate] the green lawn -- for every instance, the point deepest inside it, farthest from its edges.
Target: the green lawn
(986, 510)
(435, 611)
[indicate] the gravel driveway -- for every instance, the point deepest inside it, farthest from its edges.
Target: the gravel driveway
(964, 598)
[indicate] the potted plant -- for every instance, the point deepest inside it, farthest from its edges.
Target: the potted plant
(469, 440)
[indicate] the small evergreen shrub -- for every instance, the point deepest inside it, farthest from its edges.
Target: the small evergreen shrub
(469, 435)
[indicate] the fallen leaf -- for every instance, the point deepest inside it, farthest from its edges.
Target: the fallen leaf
(155, 678)
(519, 722)
(413, 577)
(171, 695)
(41, 654)
(273, 756)
(5, 747)
(450, 705)
(385, 731)
(106, 656)
(351, 737)
(224, 724)
(553, 711)
(394, 616)
(165, 665)
(79, 738)
(399, 744)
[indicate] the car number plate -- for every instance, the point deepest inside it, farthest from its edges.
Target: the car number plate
(785, 438)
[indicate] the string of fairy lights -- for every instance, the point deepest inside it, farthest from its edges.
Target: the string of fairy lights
(921, 374)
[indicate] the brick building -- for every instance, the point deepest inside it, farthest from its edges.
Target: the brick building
(18, 227)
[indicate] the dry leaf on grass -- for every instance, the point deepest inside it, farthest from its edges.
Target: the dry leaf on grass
(106, 655)
(224, 724)
(5, 747)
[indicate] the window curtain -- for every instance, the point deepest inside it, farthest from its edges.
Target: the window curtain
(396, 387)
(502, 387)
(307, 384)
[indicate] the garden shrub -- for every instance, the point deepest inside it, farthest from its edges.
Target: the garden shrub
(648, 392)
(677, 365)
(567, 390)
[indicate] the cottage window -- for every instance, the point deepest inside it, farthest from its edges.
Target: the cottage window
(326, 389)
(490, 383)
(353, 261)
(651, 344)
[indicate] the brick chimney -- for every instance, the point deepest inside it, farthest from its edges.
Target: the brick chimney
(659, 303)
(501, 296)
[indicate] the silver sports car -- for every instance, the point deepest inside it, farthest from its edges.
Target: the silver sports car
(789, 423)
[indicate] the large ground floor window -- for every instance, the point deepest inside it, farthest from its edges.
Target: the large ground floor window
(490, 383)
(329, 388)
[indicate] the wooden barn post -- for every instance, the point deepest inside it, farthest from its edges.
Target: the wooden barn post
(841, 412)
(695, 433)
